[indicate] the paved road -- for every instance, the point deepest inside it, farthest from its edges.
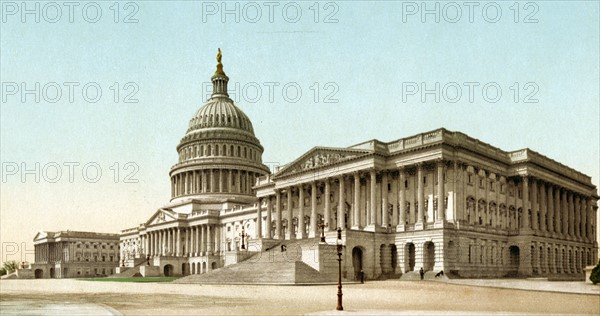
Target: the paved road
(382, 297)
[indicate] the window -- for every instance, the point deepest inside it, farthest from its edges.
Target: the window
(95, 246)
(78, 245)
(111, 258)
(103, 246)
(425, 181)
(406, 184)
(492, 188)
(470, 179)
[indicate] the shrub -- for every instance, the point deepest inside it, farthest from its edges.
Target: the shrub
(595, 276)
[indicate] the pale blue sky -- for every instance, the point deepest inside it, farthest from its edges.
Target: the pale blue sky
(368, 55)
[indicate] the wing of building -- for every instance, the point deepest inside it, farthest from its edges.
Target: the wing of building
(439, 200)
(73, 254)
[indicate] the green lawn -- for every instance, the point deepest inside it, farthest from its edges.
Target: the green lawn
(138, 279)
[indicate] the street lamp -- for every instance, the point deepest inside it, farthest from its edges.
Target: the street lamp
(322, 225)
(243, 237)
(339, 251)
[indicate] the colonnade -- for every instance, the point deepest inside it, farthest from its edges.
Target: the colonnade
(369, 200)
(552, 258)
(212, 181)
(182, 241)
(557, 210)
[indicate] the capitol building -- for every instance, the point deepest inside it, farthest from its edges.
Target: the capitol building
(440, 200)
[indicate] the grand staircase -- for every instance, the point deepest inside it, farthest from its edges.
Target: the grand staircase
(272, 266)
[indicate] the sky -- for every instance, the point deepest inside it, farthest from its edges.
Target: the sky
(95, 95)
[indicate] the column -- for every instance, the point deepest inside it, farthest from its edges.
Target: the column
(229, 181)
(590, 220)
(238, 184)
(584, 220)
(543, 209)
(341, 203)
(525, 216)
(258, 230)
(209, 239)
(550, 204)
(147, 244)
(420, 202)
(326, 214)
(220, 180)
(534, 204)
(571, 210)
(269, 219)
(301, 226)
(290, 215)
(395, 188)
(384, 200)
(373, 198)
(401, 199)
(356, 206)
(203, 239)
(178, 241)
(577, 216)
(565, 213)
(557, 211)
(313, 210)
(441, 209)
(278, 214)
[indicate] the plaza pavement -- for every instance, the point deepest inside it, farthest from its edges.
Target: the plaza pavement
(393, 297)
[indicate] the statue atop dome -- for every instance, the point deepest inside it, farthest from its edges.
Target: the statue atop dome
(219, 65)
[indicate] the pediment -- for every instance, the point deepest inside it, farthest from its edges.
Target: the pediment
(319, 157)
(40, 235)
(161, 215)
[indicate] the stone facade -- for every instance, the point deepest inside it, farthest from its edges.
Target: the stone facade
(73, 254)
(440, 200)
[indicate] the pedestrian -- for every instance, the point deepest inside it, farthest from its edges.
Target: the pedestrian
(422, 273)
(362, 276)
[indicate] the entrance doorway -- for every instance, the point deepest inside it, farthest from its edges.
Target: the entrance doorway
(357, 260)
(52, 276)
(429, 260)
(514, 254)
(39, 273)
(168, 270)
(394, 251)
(409, 257)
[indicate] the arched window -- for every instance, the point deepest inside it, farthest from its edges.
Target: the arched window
(208, 150)
(239, 151)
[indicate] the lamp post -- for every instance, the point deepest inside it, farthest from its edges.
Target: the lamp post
(339, 251)
(243, 237)
(322, 226)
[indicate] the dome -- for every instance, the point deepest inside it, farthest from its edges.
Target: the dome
(220, 158)
(220, 112)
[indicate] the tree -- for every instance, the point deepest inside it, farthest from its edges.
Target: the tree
(595, 276)
(10, 266)
(2, 271)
